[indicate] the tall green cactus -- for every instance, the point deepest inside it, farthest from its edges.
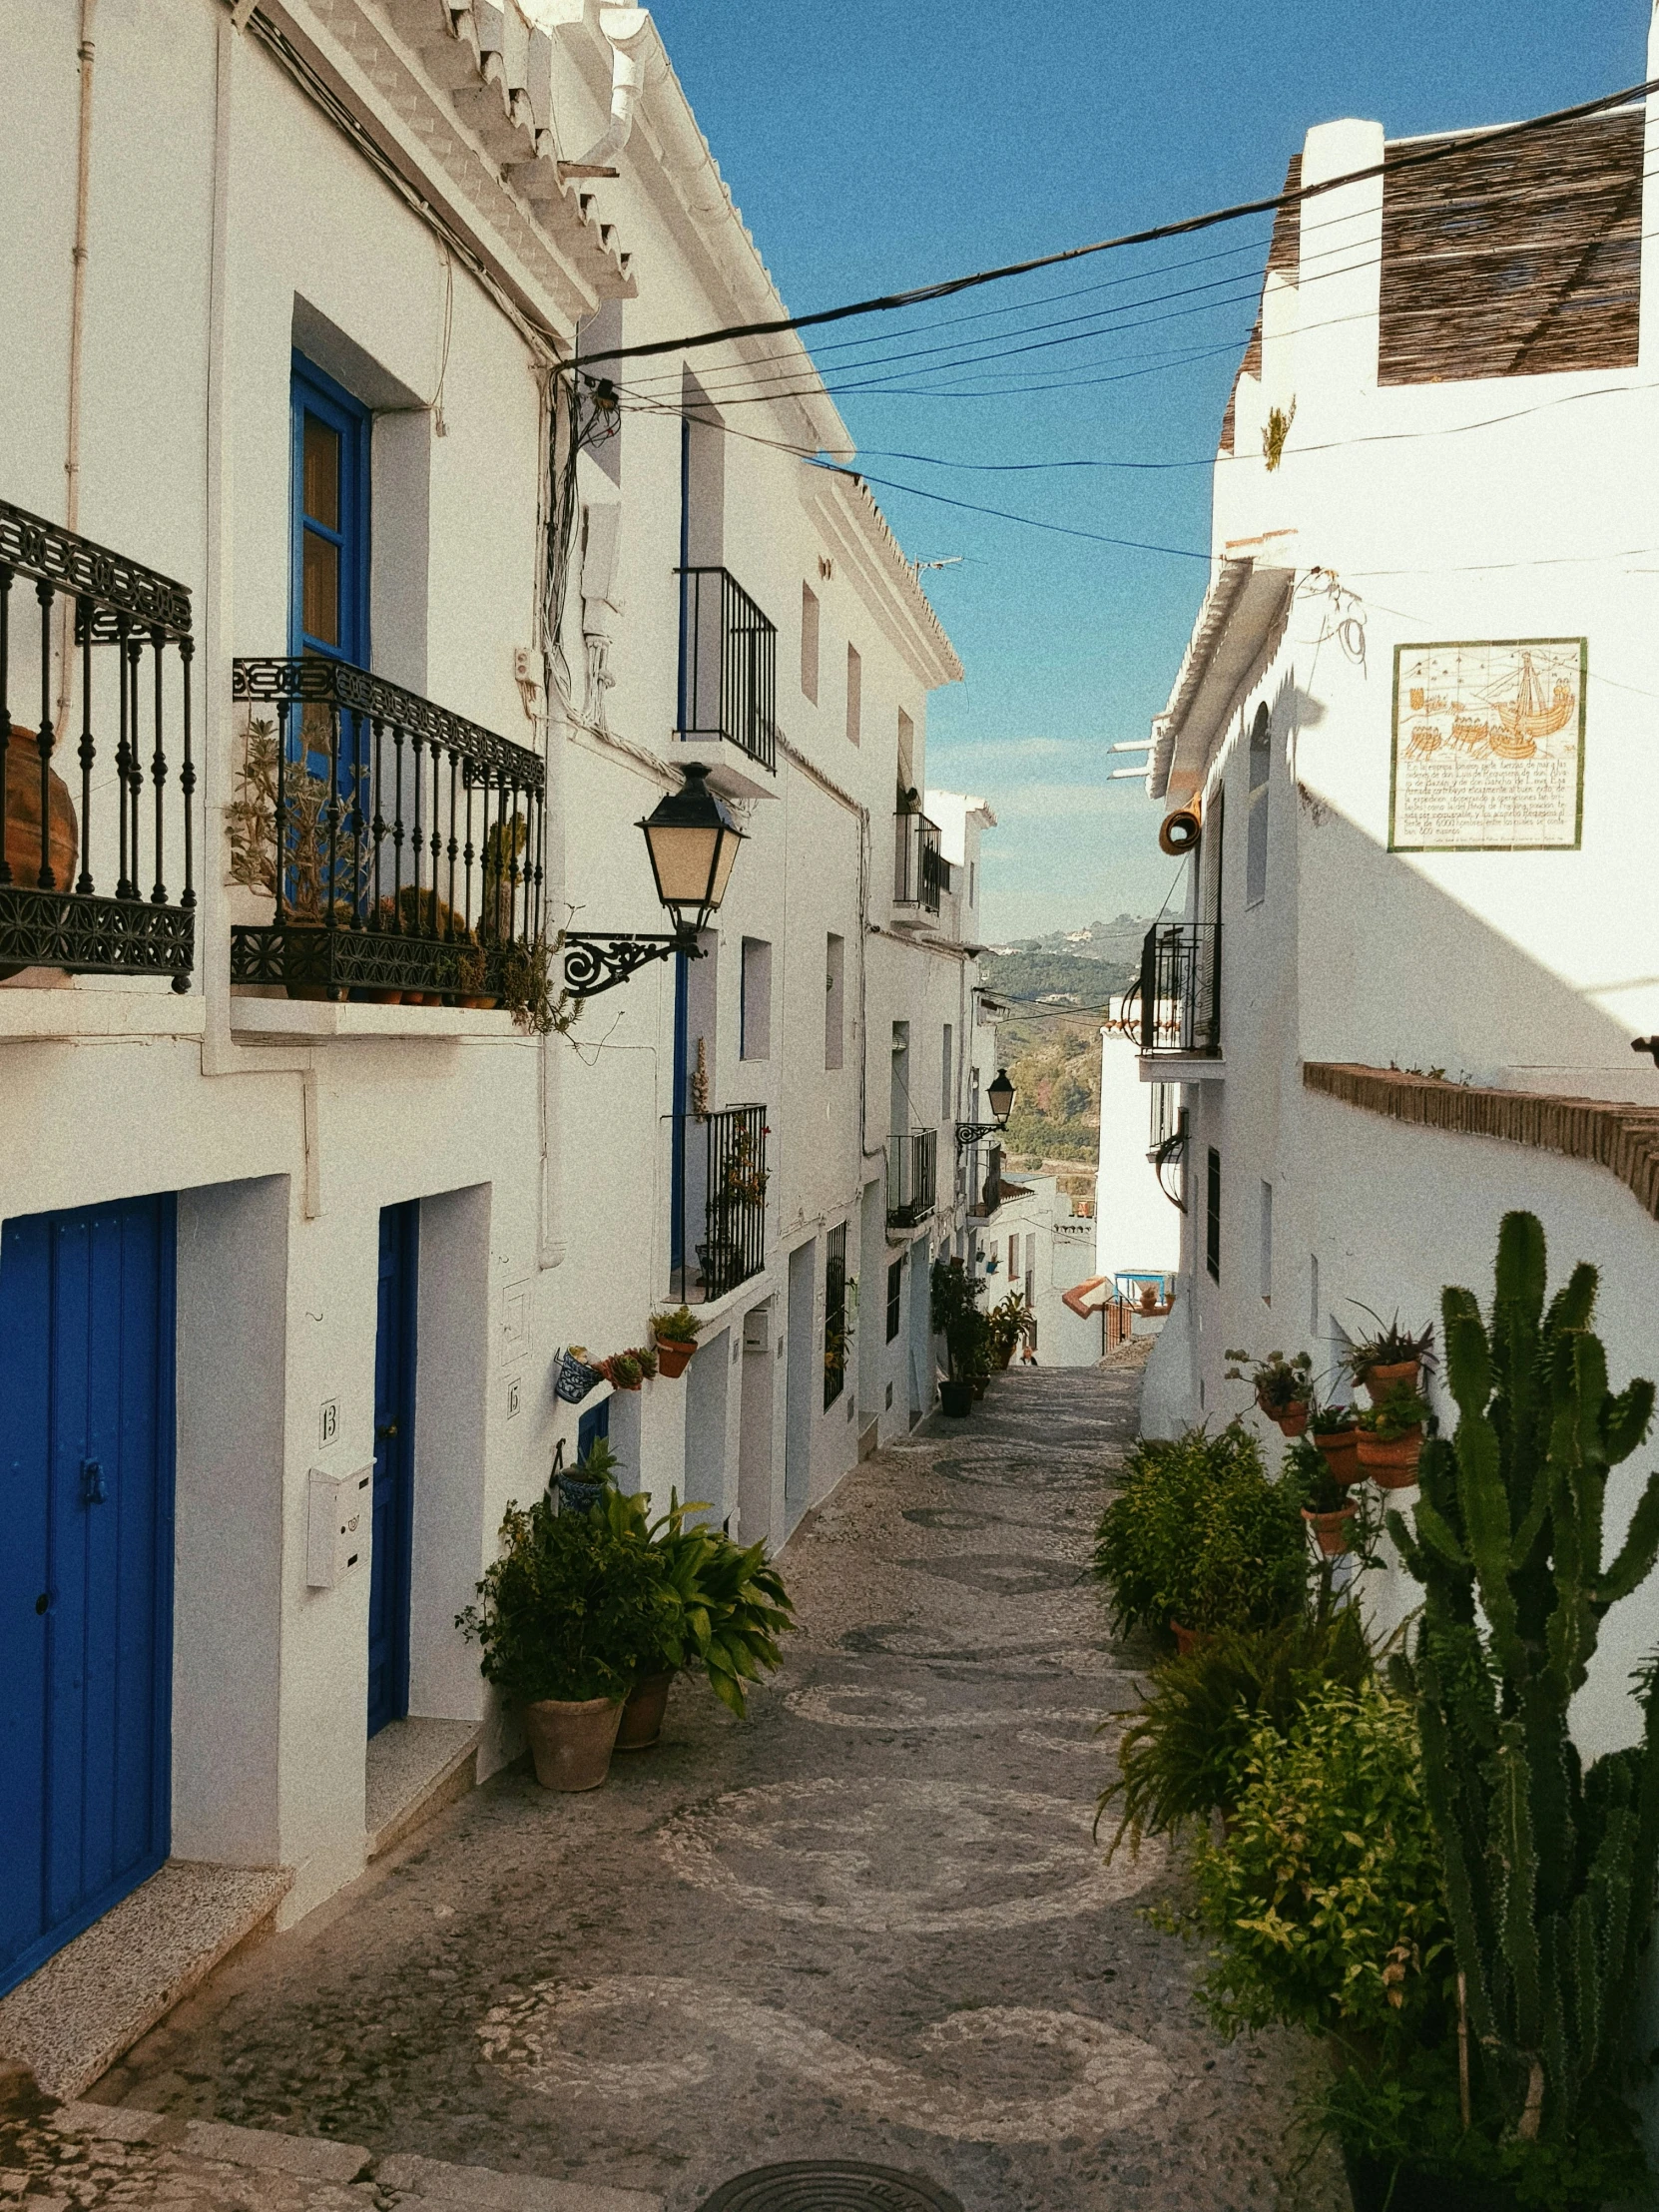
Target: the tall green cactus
(1551, 1866)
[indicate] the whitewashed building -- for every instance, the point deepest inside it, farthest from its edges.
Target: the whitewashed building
(1411, 737)
(360, 648)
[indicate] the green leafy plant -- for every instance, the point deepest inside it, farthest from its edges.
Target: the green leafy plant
(1199, 1534)
(1396, 1413)
(1388, 1345)
(1325, 1898)
(528, 992)
(676, 1325)
(1332, 1420)
(955, 1315)
(1279, 1383)
(1011, 1323)
(1320, 1491)
(599, 1463)
(729, 1605)
(1550, 1861)
(1183, 1754)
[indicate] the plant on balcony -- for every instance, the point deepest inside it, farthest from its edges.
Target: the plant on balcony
(1013, 1323)
(743, 1176)
(1390, 1436)
(1389, 1354)
(1284, 1388)
(251, 828)
(675, 1332)
(528, 992)
(956, 1316)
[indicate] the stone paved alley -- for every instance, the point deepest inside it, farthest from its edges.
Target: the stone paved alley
(870, 1922)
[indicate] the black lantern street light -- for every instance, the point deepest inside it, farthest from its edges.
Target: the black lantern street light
(693, 842)
(1000, 1097)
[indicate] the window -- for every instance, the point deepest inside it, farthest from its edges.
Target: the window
(1013, 1260)
(809, 642)
(1211, 1215)
(1266, 1244)
(1314, 1295)
(895, 1294)
(946, 1075)
(329, 521)
(973, 885)
(906, 751)
(835, 1314)
(854, 694)
(754, 1001)
(1255, 818)
(835, 965)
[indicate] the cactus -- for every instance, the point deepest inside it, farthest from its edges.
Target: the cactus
(1551, 1866)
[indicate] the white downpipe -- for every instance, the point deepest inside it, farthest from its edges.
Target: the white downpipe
(628, 32)
(77, 326)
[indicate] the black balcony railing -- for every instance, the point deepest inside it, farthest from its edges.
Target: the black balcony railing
(721, 1177)
(728, 666)
(912, 1166)
(984, 1190)
(109, 887)
(1180, 989)
(920, 872)
(401, 847)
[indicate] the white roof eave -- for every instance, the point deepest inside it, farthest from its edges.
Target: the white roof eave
(1245, 601)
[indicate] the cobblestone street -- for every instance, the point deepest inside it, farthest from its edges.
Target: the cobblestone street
(869, 1923)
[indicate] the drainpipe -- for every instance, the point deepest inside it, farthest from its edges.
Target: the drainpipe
(76, 323)
(628, 32)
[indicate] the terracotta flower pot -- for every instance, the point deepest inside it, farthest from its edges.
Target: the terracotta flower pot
(63, 836)
(1379, 1380)
(1331, 1528)
(1186, 1639)
(571, 1740)
(1392, 1462)
(1341, 1453)
(674, 1355)
(642, 1716)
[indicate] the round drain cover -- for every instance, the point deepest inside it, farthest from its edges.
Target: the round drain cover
(829, 2185)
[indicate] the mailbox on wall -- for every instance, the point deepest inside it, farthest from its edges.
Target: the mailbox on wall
(342, 1521)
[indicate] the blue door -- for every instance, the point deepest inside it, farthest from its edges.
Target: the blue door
(395, 1372)
(86, 1567)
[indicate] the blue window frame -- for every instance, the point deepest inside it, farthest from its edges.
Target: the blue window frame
(591, 1427)
(328, 581)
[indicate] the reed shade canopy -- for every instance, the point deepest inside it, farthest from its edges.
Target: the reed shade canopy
(1000, 1098)
(693, 842)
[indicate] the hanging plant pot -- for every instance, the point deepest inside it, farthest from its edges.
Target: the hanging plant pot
(1340, 1448)
(674, 1355)
(571, 1740)
(955, 1399)
(1330, 1529)
(575, 1379)
(1379, 1381)
(1289, 1419)
(1392, 1462)
(577, 1495)
(642, 1716)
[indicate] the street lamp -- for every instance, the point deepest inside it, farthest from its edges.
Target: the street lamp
(1000, 1097)
(692, 840)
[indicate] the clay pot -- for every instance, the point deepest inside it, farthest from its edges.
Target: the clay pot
(1331, 1528)
(642, 1716)
(1291, 1419)
(63, 836)
(1341, 1453)
(1380, 1380)
(955, 1399)
(1149, 1297)
(1392, 1462)
(1186, 1639)
(571, 1740)
(674, 1355)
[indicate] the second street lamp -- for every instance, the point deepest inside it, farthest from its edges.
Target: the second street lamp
(1000, 1097)
(692, 840)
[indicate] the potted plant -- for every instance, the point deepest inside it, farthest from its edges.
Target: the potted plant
(581, 1487)
(1284, 1388)
(1390, 1438)
(956, 1316)
(1390, 1356)
(567, 1617)
(622, 1370)
(575, 1377)
(1334, 1430)
(1011, 1323)
(675, 1332)
(1326, 1507)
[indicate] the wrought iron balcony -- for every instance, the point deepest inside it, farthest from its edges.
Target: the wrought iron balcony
(912, 1167)
(1179, 993)
(103, 882)
(728, 666)
(720, 1187)
(920, 871)
(401, 847)
(985, 1182)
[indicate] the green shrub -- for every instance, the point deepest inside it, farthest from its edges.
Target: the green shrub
(1199, 1534)
(1325, 1898)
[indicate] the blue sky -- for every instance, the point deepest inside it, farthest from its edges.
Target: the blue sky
(874, 147)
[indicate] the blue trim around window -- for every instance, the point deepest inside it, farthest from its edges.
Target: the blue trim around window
(316, 394)
(591, 1427)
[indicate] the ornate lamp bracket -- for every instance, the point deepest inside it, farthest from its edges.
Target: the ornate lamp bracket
(595, 962)
(975, 1132)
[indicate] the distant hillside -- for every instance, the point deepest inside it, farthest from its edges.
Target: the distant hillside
(1052, 1050)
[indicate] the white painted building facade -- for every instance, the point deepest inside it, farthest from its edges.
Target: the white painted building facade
(335, 252)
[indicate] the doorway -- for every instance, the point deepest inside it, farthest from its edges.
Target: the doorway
(393, 1548)
(801, 1376)
(86, 1572)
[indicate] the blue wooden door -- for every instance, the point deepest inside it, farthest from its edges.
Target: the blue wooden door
(394, 1372)
(86, 1567)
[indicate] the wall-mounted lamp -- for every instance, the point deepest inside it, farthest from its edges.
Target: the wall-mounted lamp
(693, 842)
(1000, 1097)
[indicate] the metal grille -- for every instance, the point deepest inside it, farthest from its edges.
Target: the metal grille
(728, 665)
(912, 1164)
(920, 870)
(97, 871)
(829, 2185)
(401, 846)
(1180, 989)
(723, 1191)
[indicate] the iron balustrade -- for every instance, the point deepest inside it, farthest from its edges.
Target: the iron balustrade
(77, 598)
(728, 666)
(722, 1190)
(920, 871)
(912, 1167)
(403, 847)
(1180, 989)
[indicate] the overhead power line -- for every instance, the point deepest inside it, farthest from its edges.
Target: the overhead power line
(885, 302)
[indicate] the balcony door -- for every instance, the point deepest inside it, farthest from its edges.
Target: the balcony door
(329, 592)
(394, 1403)
(86, 1570)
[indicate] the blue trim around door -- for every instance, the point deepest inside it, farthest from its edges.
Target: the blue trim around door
(86, 1567)
(394, 1406)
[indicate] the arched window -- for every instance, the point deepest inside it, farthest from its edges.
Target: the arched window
(1256, 849)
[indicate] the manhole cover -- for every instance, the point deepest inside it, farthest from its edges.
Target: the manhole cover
(829, 2185)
